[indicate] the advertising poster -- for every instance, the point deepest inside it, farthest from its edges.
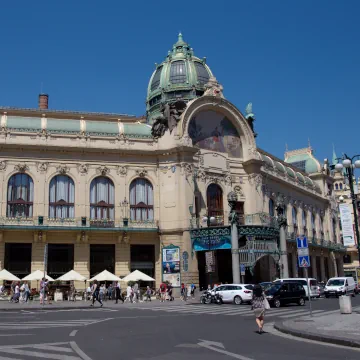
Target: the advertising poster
(358, 275)
(171, 265)
(347, 225)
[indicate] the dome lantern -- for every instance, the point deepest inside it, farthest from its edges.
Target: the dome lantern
(181, 76)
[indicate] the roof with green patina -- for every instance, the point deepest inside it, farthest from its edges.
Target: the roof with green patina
(304, 160)
(137, 130)
(24, 123)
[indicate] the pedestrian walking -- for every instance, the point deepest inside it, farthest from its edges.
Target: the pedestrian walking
(12, 291)
(183, 292)
(17, 292)
(43, 286)
(102, 292)
(110, 291)
(148, 293)
(118, 295)
(162, 289)
(136, 292)
(26, 291)
(192, 292)
(259, 305)
(95, 290)
(129, 292)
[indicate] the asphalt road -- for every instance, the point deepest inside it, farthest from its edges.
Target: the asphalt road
(159, 331)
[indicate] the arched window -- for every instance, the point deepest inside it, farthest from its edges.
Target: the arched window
(214, 197)
(141, 200)
(312, 219)
(294, 216)
(102, 199)
(336, 187)
(20, 196)
(304, 219)
(271, 207)
(61, 197)
(340, 186)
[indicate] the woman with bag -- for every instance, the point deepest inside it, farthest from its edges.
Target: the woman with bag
(259, 305)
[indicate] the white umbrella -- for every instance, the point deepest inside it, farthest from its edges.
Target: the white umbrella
(72, 275)
(105, 276)
(137, 276)
(37, 275)
(8, 276)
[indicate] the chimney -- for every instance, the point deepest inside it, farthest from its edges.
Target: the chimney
(43, 101)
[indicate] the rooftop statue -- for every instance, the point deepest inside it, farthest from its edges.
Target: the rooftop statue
(213, 88)
(168, 119)
(250, 117)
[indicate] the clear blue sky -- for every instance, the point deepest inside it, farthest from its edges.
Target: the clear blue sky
(297, 61)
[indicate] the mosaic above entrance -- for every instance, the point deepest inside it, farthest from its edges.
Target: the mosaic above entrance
(212, 130)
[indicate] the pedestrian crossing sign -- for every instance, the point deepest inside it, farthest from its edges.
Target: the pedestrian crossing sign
(304, 261)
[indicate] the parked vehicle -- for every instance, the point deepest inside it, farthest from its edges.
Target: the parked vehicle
(285, 293)
(208, 297)
(265, 285)
(236, 293)
(337, 286)
(321, 290)
(313, 285)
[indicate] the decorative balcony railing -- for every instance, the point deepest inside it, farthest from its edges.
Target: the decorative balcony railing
(102, 223)
(146, 224)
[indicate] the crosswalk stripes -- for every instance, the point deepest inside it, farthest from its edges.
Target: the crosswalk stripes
(56, 351)
(226, 310)
(44, 324)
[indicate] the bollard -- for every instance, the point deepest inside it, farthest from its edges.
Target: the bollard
(345, 304)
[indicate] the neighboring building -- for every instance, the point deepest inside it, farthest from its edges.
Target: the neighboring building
(111, 191)
(342, 192)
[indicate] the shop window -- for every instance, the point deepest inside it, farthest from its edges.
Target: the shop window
(142, 257)
(347, 259)
(141, 200)
(60, 259)
(102, 257)
(62, 197)
(17, 259)
(20, 196)
(102, 199)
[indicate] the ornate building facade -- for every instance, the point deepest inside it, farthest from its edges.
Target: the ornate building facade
(112, 191)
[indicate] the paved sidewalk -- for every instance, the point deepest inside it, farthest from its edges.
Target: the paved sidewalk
(59, 305)
(340, 329)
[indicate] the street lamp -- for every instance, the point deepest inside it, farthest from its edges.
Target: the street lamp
(349, 164)
(209, 220)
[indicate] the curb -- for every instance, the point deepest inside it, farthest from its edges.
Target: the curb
(322, 338)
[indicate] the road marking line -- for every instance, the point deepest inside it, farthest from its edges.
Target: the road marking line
(6, 358)
(307, 313)
(79, 351)
(39, 354)
(211, 346)
(73, 333)
(52, 348)
(16, 334)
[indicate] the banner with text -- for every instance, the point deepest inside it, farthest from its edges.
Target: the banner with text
(347, 224)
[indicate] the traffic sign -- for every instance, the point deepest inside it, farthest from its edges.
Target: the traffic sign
(303, 252)
(242, 269)
(302, 242)
(304, 261)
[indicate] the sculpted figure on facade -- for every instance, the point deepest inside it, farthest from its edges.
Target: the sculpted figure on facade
(62, 169)
(141, 172)
(103, 170)
(201, 174)
(83, 169)
(121, 170)
(238, 191)
(213, 88)
(42, 167)
(21, 167)
(188, 169)
(3, 165)
(168, 118)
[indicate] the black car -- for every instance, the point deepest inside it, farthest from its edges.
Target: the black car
(285, 293)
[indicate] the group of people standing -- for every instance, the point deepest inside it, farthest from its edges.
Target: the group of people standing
(18, 292)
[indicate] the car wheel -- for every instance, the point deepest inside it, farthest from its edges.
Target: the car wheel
(277, 303)
(327, 296)
(237, 300)
(301, 302)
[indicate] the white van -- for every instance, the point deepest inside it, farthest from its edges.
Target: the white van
(337, 286)
(313, 285)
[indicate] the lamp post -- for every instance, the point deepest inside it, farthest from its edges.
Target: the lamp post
(209, 220)
(349, 164)
(233, 219)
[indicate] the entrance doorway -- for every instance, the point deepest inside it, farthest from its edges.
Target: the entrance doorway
(60, 259)
(102, 257)
(265, 270)
(142, 258)
(18, 259)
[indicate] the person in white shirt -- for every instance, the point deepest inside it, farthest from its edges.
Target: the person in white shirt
(17, 293)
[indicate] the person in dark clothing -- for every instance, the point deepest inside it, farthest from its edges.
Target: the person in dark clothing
(95, 290)
(118, 295)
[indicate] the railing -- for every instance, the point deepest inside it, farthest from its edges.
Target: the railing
(18, 221)
(61, 221)
(143, 224)
(102, 223)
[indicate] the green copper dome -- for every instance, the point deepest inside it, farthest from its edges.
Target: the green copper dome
(180, 76)
(304, 160)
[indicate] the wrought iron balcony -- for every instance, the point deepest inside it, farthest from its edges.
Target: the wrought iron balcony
(102, 223)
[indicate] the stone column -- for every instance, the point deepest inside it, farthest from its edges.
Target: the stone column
(322, 268)
(282, 222)
(232, 199)
(82, 262)
(294, 264)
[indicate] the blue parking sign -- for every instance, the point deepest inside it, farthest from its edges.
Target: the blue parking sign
(302, 242)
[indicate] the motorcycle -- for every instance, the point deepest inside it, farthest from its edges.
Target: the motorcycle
(208, 297)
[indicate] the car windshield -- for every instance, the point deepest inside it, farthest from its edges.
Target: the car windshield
(273, 289)
(249, 287)
(335, 282)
